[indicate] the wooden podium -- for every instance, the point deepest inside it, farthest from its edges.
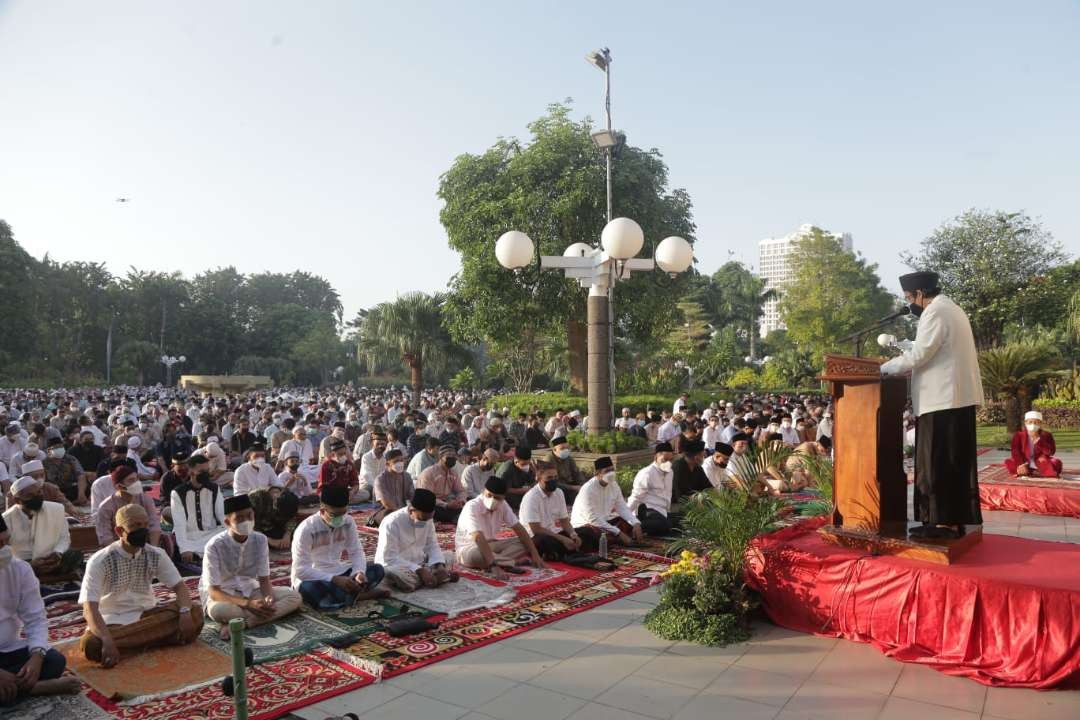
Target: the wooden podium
(869, 483)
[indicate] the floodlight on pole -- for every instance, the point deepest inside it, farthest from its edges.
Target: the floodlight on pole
(605, 139)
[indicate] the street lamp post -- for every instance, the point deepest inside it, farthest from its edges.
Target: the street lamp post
(597, 269)
(169, 361)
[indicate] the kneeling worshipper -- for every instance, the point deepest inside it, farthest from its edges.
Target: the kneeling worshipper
(570, 476)
(1033, 450)
(393, 487)
(254, 474)
(296, 482)
(599, 506)
(408, 549)
(475, 475)
(543, 513)
(198, 511)
(235, 580)
(39, 533)
(275, 509)
(477, 543)
(441, 479)
(28, 666)
(118, 600)
(518, 474)
(650, 498)
(128, 489)
(339, 471)
(324, 579)
(715, 465)
(50, 492)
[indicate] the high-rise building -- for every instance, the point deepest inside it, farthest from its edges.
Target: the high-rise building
(773, 266)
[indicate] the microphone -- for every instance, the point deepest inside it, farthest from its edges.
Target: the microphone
(906, 310)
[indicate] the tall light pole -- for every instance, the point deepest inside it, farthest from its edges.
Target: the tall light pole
(169, 361)
(597, 268)
(605, 139)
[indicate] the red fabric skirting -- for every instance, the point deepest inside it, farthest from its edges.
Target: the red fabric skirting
(1032, 499)
(1007, 613)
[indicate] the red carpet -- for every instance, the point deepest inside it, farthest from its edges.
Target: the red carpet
(999, 490)
(1008, 613)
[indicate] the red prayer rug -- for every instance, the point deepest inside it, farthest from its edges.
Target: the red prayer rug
(1001, 490)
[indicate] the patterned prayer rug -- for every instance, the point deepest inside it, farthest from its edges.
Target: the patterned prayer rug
(452, 599)
(634, 571)
(368, 616)
(999, 474)
(60, 707)
(152, 672)
(291, 635)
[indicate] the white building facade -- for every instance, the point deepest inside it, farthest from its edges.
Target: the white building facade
(775, 269)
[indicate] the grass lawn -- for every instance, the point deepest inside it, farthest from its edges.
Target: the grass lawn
(995, 436)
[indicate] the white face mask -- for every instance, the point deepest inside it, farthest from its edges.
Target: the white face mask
(134, 488)
(341, 459)
(245, 528)
(399, 467)
(489, 502)
(564, 453)
(607, 478)
(258, 461)
(6, 555)
(339, 432)
(666, 466)
(1032, 427)
(57, 452)
(785, 424)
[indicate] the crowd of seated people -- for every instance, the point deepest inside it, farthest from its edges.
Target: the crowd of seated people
(177, 484)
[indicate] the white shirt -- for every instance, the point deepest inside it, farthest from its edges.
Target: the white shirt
(824, 428)
(667, 431)
(539, 507)
(404, 545)
(100, 491)
(474, 478)
(301, 486)
(371, 467)
(624, 423)
(303, 449)
(727, 433)
(790, 435)
(652, 488)
(8, 449)
(943, 362)
(248, 477)
(477, 518)
(234, 567)
(99, 437)
(716, 474)
(21, 609)
(597, 505)
(190, 537)
(472, 435)
(711, 435)
(144, 473)
(317, 549)
(39, 535)
(678, 405)
(121, 583)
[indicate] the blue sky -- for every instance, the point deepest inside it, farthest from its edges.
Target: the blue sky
(311, 135)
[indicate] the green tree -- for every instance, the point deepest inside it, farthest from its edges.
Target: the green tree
(411, 329)
(1014, 372)
(733, 297)
(833, 294)
(552, 188)
(139, 357)
(988, 260)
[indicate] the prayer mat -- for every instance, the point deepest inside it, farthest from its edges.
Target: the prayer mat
(58, 707)
(1070, 478)
(151, 672)
(368, 616)
(633, 572)
(452, 599)
(291, 635)
(274, 689)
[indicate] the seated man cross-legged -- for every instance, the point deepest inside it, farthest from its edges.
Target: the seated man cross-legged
(39, 533)
(118, 600)
(543, 513)
(477, 543)
(28, 666)
(601, 509)
(1033, 450)
(324, 579)
(235, 580)
(408, 549)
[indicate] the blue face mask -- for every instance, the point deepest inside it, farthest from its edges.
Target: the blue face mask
(336, 521)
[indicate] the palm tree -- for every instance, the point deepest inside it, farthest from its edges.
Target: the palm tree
(410, 329)
(1013, 372)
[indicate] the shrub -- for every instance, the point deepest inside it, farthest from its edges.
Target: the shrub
(1058, 414)
(608, 443)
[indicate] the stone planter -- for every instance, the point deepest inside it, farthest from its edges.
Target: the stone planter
(631, 458)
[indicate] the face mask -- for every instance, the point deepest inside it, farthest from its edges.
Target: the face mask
(721, 463)
(138, 538)
(1032, 427)
(607, 478)
(203, 478)
(293, 467)
(88, 443)
(340, 459)
(134, 488)
(6, 555)
(339, 432)
(564, 453)
(489, 502)
(399, 467)
(258, 461)
(245, 528)
(800, 428)
(916, 310)
(666, 466)
(143, 426)
(451, 462)
(336, 521)
(57, 453)
(785, 424)
(34, 504)
(418, 523)
(551, 485)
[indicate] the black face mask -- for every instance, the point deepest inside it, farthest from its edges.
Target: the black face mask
(33, 504)
(551, 485)
(451, 462)
(916, 310)
(88, 443)
(293, 467)
(138, 538)
(203, 478)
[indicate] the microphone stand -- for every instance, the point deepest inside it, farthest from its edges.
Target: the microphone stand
(858, 336)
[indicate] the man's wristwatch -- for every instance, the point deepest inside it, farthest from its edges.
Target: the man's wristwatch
(185, 610)
(40, 652)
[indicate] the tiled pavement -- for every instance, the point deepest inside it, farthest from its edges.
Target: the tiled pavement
(603, 665)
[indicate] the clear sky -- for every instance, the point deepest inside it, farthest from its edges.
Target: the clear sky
(311, 135)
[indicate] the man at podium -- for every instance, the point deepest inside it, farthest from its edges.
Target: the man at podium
(945, 389)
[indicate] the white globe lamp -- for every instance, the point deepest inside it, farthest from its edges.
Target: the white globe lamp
(674, 255)
(622, 238)
(578, 250)
(183, 359)
(514, 249)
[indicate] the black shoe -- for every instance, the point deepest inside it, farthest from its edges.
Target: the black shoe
(918, 531)
(941, 533)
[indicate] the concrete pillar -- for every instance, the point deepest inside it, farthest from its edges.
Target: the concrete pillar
(599, 361)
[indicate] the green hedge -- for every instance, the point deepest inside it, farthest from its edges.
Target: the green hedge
(552, 401)
(1058, 414)
(609, 442)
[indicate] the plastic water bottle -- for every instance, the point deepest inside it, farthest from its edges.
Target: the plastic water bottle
(603, 545)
